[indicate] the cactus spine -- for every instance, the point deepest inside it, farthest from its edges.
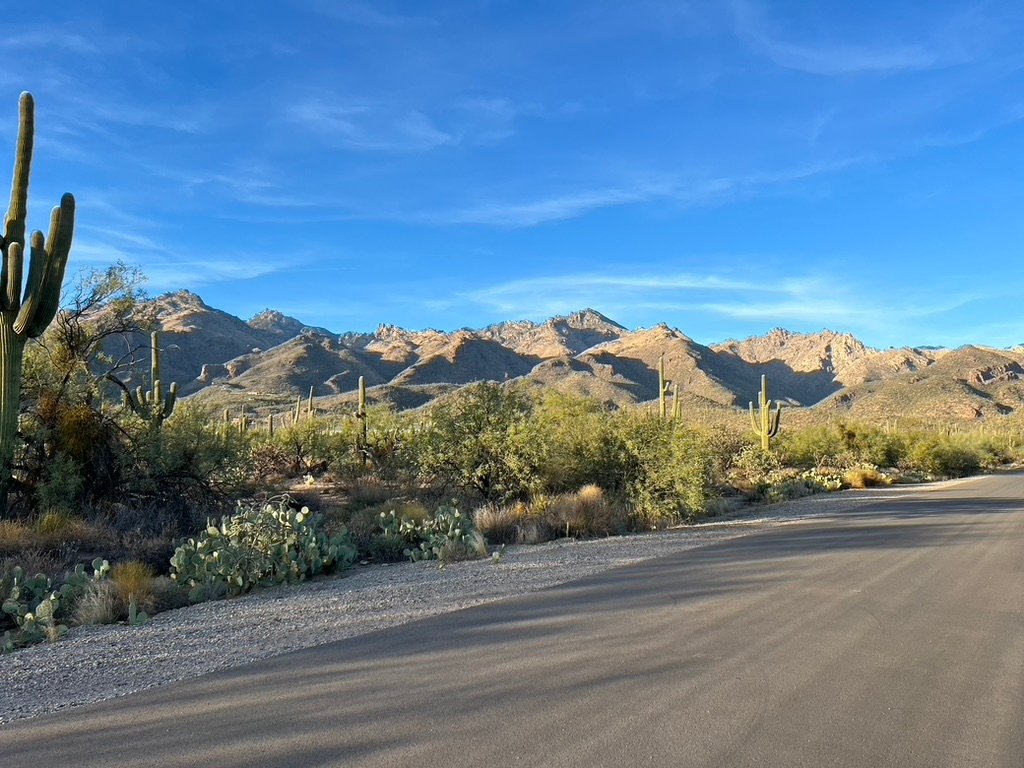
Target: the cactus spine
(152, 404)
(26, 314)
(765, 422)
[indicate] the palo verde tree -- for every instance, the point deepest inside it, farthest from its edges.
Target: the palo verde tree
(26, 310)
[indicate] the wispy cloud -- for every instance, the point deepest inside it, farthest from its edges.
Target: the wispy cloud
(556, 294)
(106, 233)
(836, 56)
(45, 39)
(676, 189)
(366, 127)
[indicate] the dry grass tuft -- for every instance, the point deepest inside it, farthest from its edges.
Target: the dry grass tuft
(865, 477)
(588, 512)
(99, 604)
(473, 547)
(134, 580)
(500, 524)
(16, 537)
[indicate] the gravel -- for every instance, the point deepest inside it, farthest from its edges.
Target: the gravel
(94, 663)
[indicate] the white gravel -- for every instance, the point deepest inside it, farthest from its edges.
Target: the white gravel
(100, 662)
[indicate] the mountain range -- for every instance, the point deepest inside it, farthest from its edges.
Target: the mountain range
(273, 359)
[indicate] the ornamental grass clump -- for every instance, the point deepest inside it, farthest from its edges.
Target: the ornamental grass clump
(588, 512)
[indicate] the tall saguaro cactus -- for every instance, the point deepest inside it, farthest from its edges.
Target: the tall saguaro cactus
(152, 404)
(361, 416)
(664, 387)
(26, 310)
(765, 422)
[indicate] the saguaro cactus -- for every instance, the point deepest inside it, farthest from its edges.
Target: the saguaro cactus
(664, 387)
(765, 422)
(152, 404)
(361, 414)
(25, 314)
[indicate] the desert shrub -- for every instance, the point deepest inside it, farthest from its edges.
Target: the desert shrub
(367, 492)
(99, 604)
(717, 506)
(391, 450)
(168, 594)
(753, 468)
(571, 442)
(257, 546)
(669, 470)
(944, 456)
(182, 473)
(306, 444)
(268, 459)
(475, 440)
(16, 536)
(588, 512)
(841, 444)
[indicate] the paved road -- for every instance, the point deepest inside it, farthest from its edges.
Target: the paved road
(893, 636)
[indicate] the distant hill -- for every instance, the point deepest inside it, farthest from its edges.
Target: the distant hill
(272, 359)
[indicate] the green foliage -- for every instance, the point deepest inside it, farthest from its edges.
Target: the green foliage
(669, 471)
(842, 445)
(183, 471)
(944, 456)
(258, 546)
(474, 441)
(572, 442)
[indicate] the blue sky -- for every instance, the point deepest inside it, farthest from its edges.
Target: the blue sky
(725, 167)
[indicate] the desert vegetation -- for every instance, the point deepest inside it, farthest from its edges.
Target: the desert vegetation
(118, 501)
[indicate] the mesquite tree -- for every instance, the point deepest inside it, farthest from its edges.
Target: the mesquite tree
(24, 314)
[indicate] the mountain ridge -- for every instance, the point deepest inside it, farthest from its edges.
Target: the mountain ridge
(272, 358)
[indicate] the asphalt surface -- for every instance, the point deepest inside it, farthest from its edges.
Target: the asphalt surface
(890, 636)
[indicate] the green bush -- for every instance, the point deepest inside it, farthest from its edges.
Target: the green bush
(258, 546)
(572, 442)
(841, 445)
(669, 470)
(476, 439)
(943, 456)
